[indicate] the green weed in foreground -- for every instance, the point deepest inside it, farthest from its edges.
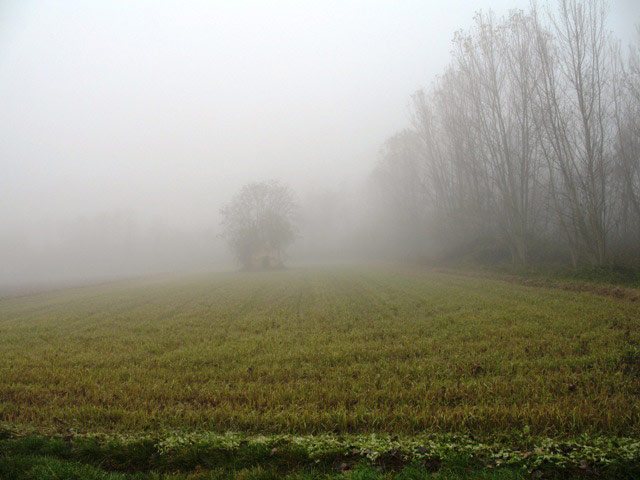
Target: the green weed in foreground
(46, 468)
(208, 455)
(318, 351)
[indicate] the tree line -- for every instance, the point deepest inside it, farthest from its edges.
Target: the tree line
(529, 141)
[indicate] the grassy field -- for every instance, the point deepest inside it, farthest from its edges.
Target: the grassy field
(308, 352)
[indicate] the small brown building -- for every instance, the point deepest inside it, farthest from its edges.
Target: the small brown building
(266, 258)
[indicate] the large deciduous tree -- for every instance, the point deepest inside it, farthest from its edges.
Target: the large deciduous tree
(260, 216)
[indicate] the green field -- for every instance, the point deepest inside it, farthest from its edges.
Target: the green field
(307, 352)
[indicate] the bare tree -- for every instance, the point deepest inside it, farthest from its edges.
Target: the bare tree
(627, 145)
(501, 71)
(456, 186)
(576, 106)
(530, 137)
(400, 178)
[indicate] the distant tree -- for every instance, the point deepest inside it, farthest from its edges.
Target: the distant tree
(399, 178)
(261, 216)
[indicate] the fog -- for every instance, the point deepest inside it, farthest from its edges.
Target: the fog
(126, 126)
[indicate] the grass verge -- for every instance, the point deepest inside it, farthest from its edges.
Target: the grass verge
(237, 456)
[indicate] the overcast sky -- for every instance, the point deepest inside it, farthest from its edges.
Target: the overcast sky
(167, 108)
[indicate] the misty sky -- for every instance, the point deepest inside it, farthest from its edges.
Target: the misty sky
(165, 109)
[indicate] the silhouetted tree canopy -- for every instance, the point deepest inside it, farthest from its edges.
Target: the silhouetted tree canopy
(260, 216)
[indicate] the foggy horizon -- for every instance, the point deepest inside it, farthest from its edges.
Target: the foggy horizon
(144, 119)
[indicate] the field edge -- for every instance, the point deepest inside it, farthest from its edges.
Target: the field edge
(320, 456)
